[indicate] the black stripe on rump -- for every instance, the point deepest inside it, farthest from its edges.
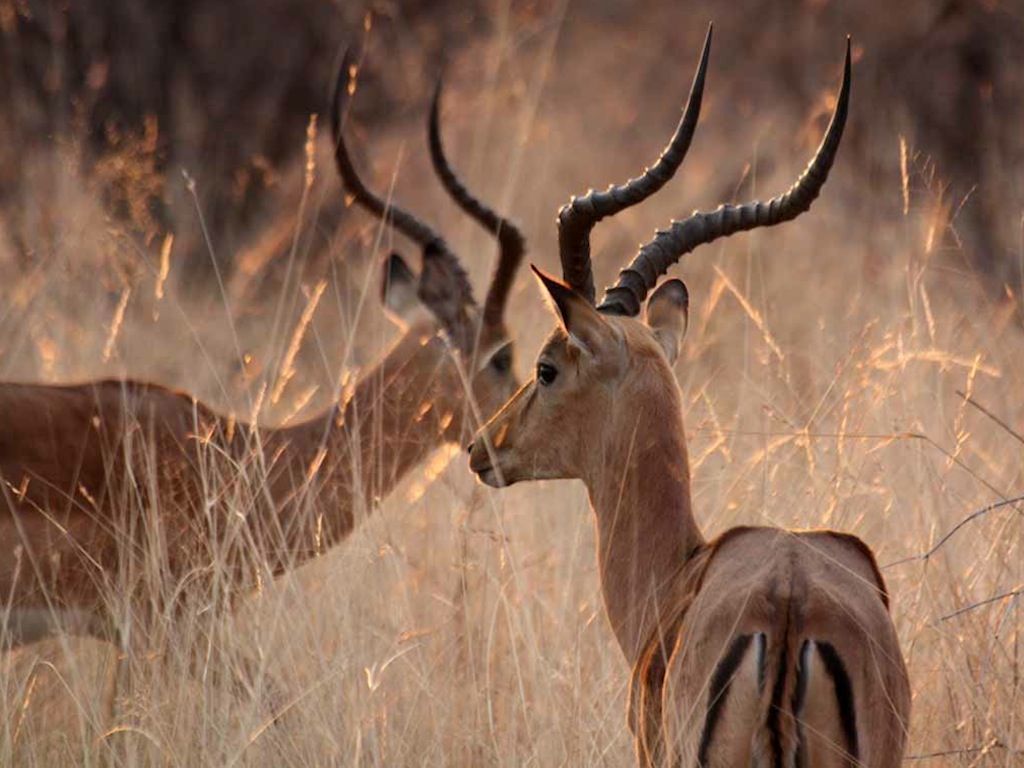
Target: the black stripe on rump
(844, 696)
(775, 709)
(719, 691)
(799, 697)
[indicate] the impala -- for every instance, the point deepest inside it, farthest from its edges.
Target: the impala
(124, 485)
(763, 647)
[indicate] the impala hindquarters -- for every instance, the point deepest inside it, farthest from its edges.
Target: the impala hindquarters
(787, 656)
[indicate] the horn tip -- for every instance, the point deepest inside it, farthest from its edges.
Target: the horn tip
(348, 61)
(847, 64)
(340, 89)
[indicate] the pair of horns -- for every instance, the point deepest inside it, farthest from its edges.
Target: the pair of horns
(581, 214)
(451, 296)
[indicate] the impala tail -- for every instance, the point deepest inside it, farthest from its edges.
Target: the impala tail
(791, 696)
(797, 693)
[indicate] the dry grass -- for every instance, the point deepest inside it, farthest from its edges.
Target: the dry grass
(459, 626)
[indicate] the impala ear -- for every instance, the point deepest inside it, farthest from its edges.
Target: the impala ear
(668, 314)
(584, 324)
(398, 290)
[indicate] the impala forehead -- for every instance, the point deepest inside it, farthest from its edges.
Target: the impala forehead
(557, 345)
(635, 333)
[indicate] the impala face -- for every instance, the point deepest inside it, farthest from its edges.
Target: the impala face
(490, 371)
(556, 425)
(463, 347)
(492, 383)
(495, 380)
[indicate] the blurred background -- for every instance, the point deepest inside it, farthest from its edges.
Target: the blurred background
(127, 101)
(169, 210)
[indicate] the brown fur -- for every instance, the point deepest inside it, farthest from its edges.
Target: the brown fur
(114, 486)
(674, 601)
(77, 462)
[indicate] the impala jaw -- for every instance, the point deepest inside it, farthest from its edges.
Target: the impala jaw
(493, 454)
(484, 463)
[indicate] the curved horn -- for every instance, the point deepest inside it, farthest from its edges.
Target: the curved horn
(655, 258)
(577, 218)
(447, 292)
(512, 242)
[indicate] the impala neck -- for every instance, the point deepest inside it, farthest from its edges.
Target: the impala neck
(645, 525)
(402, 410)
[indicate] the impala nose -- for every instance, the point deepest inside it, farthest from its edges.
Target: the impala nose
(480, 464)
(478, 456)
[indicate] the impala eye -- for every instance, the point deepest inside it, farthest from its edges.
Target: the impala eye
(546, 373)
(501, 361)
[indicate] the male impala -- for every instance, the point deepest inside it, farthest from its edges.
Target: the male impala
(764, 647)
(113, 483)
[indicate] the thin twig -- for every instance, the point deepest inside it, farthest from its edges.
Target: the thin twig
(974, 515)
(984, 748)
(991, 415)
(987, 601)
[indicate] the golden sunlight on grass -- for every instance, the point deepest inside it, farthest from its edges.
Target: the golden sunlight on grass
(844, 371)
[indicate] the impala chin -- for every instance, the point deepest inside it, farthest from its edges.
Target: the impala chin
(489, 476)
(482, 463)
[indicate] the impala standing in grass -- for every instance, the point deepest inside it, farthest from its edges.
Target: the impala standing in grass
(764, 647)
(114, 486)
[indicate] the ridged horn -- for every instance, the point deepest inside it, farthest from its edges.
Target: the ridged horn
(578, 217)
(655, 258)
(511, 241)
(447, 293)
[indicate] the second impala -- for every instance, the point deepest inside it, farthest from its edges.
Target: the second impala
(115, 487)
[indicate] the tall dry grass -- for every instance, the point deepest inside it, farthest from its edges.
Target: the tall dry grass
(458, 626)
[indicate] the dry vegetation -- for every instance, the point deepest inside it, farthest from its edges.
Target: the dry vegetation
(458, 626)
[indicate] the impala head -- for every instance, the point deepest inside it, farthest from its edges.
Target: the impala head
(593, 371)
(604, 374)
(438, 303)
